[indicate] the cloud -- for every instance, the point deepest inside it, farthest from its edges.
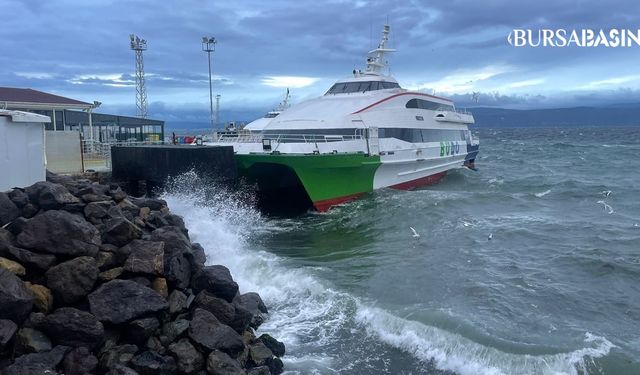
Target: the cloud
(615, 81)
(452, 47)
(289, 81)
(526, 83)
(35, 75)
(462, 80)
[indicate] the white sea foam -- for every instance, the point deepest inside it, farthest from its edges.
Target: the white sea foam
(310, 316)
(540, 195)
(455, 353)
(607, 207)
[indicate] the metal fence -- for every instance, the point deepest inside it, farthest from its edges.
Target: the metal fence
(96, 156)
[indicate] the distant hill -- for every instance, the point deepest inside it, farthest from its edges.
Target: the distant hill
(624, 114)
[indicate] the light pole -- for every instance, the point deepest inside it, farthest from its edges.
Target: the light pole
(208, 46)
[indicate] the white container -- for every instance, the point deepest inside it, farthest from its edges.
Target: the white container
(22, 149)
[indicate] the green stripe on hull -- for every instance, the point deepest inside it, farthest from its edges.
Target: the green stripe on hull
(324, 176)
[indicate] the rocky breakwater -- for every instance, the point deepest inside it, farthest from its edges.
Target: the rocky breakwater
(93, 281)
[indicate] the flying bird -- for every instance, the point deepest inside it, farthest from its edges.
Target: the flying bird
(490, 236)
(415, 234)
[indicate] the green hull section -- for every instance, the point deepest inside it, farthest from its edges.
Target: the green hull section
(327, 178)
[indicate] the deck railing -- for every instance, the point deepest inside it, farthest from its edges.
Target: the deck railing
(254, 137)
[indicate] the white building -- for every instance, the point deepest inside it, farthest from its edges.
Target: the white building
(22, 148)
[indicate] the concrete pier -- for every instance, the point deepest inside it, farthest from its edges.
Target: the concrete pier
(153, 164)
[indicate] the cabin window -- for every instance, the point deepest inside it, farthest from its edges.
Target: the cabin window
(421, 135)
(348, 87)
(427, 104)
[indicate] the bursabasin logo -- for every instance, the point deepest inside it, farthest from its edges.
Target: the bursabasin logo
(610, 38)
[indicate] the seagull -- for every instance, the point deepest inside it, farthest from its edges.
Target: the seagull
(490, 236)
(415, 234)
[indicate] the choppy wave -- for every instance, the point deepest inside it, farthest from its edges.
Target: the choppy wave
(331, 331)
(453, 352)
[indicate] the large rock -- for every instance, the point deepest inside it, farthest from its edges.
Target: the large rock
(73, 279)
(60, 233)
(177, 247)
(31, 259)
(209, 333)
(275, 366)
(223, 310)
(216, 280)
(177, 221)
(259, 354)
(152, 363)
(262, 370)
(159, 284)
(140, 330)
(119, 301)
(8, 210)
(177, 302)
(15, 267)
(50, 196)
(6, 240)
(7, 331)
(16, 300)
(153, 203)
(96, 211)
(73, 327)
(243, 319)
(172, 330)
(120, 355)
(106, 260)
(31, 340)
(43, 298)
(148, 258)
(122, 370)
(79, 361)
(276, 347)
(197, 257)
(189, 360)
(37, 363)
(219, 363)
(19, 197)
(117, 193)
(252, 303)
(111, 274)
(120, 231)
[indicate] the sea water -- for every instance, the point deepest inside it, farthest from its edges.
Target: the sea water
(530, 265)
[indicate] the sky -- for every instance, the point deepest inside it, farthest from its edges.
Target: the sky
(80, 49)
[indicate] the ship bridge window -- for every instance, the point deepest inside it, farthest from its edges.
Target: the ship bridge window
(271, 115)
(348, 87)
(427, 104)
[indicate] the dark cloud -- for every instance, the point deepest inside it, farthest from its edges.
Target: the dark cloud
(81, 48)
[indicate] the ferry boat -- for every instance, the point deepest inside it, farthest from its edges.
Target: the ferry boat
(259, 124)
(365, 133)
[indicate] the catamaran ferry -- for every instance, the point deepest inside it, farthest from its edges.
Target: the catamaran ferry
(365, 133)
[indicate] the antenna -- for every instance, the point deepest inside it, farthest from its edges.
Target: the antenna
(138, 45)
(375, 59)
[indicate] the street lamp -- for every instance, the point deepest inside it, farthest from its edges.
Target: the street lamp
(208, 46)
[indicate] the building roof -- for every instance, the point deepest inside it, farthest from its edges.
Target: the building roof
(15, 97)
(20, 116)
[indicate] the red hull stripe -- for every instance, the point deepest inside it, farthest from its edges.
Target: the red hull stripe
(429, 180)
(326, 204)
(395, 96)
